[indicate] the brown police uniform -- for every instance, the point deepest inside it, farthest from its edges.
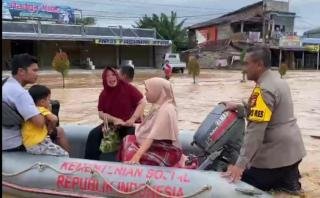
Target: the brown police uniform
(273, 139)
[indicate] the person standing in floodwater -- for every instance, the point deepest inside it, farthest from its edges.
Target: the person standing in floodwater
(167, 70)
(273, 147)
(193, 67)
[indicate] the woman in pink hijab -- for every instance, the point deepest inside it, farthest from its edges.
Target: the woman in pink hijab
(156, 138)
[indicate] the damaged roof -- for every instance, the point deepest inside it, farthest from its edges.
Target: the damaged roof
(225, 18)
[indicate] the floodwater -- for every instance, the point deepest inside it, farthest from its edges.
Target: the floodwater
(79, 104)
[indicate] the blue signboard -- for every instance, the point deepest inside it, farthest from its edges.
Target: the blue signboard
(37, 10)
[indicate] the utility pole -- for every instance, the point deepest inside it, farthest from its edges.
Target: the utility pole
(81, 20)
(263, 21)
(80, 15)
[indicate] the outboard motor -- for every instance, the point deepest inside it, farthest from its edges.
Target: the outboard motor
(220, 136)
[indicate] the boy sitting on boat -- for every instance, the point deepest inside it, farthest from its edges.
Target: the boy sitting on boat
(126, 73)
(35, 139)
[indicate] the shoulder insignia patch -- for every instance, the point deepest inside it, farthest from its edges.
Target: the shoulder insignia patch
(258, 109)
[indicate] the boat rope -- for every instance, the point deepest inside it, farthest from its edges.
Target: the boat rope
(42, 166)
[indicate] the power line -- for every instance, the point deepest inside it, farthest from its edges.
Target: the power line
(100, 11)
(168, 5)
(305, 21)
(144, 4)
(140, 16)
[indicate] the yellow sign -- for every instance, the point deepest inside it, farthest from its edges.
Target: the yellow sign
(259, 111)
(312, 48)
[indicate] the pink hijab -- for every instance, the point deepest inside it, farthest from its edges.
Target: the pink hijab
(162, 121)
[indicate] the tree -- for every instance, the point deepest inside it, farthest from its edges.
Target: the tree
(85, 21)
(242, 55)
(193, 68)
(283, 69)
(61, 64)
(168, 28)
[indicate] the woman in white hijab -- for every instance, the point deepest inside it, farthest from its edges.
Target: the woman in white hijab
(158, 132)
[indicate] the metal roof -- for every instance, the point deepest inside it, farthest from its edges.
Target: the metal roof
(34, 31)
(314, 41)
(224, 18)
(313, 31)
(230, 17)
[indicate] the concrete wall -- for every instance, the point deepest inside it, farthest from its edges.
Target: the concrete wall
(272, 5)
(288, 22)
(100, 55)
(141, 56)
(224, 31)
(159, 54)
(46, 50)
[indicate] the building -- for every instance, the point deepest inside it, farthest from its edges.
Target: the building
(246, 24)
(103, 45)
(267, 22)
(314, 33)
(311, 44)
(299, 52)
(43, 30)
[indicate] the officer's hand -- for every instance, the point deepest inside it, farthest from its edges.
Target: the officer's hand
(234, 173)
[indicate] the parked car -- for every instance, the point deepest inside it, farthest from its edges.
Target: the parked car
(174, 61)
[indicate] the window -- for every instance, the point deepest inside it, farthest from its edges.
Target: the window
(172, 56)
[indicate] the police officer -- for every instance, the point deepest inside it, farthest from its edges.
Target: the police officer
(273, 146)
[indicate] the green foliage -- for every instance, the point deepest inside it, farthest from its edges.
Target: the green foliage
(242, 55)
(193, 68)
(86, 21)
(283, 69)
(168, 28)
(61, 64)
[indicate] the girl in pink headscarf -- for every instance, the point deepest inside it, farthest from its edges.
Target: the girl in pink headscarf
(156, 138)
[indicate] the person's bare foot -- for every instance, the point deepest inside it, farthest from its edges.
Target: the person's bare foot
(62, 140)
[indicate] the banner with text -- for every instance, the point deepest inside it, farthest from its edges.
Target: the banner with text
(37, 10)
(129, 41)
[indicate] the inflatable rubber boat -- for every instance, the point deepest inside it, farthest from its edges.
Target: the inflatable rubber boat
(26, 175)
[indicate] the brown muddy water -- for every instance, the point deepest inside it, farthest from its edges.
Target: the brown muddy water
(79, 104)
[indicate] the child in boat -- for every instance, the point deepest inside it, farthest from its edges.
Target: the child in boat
(126, 73)
(35, 139)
